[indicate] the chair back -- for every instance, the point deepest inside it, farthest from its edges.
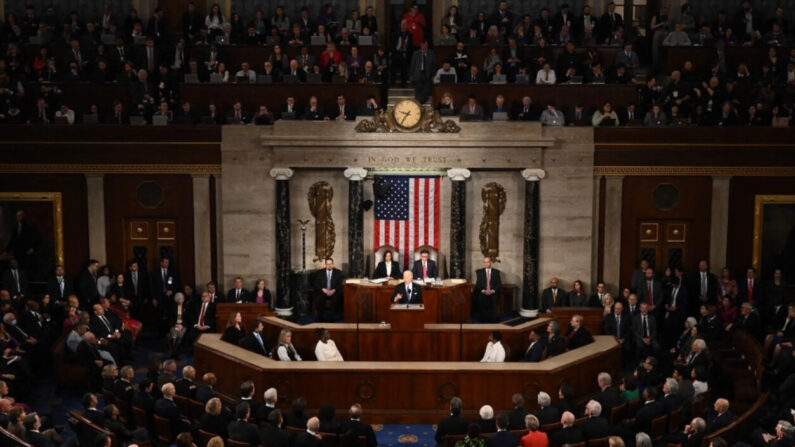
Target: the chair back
(182, 403)
(9, 438)
(108, 397)
(140, 418)
(233, 443)
(699, 406)
(599, 442)
(432, 253)
(617, 413)
(379, 254)
(452, 440)
(675, 420)
(330, 439)
(659, 426)
(551, 428)
(195, 409)
(632, 407)
(163, 429)
(204, 438)
(578, 444)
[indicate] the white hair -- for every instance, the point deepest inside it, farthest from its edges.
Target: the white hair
(673, 385)
(604, 379)
(642, 440)
(594, 407)
(543, 399)
(270, 395)
(486, 412)
(700, 343)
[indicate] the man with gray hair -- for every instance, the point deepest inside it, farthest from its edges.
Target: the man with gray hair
(670, 400)
(642, 440)
(186, 386)
(486, 421)
(547, 414)
(785, 435)
(270, 396)
(608, 397)
(569, 434)
(310, 437)
(596, 426)
(516, 416)
(453, 424)
(354, 427)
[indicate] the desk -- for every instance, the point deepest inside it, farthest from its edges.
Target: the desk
(433, 342)
(406, 392)
(448, 303)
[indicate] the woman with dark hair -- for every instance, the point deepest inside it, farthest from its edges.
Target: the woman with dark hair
(215, 21)
(388, 268)
(629, 387)
(296, 417)
(325, 349)
(234, 331)
(577, 297)
(453, 20)
(567, 401)
(326, 416)
(262, 294)
(285, 351)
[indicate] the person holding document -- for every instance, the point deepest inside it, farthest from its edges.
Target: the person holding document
(408, 292)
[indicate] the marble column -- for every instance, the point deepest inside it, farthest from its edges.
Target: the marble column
(95, 200)
(355, 221)
(614, 193)
(719, 227)
(458, 228)
(202, 262)
(532, 195)
(283, 266)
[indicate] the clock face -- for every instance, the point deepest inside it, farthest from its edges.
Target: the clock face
(408, 113)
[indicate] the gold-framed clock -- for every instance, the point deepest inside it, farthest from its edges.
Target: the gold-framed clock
(407, 114)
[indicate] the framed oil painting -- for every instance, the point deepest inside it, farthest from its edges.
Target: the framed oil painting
(31, 231)
(774, 236)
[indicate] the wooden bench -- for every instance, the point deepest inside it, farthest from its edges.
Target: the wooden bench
(70, 373)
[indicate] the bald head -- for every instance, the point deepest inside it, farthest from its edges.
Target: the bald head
(189, 372)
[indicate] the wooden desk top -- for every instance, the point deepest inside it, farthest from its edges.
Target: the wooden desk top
(213, 343)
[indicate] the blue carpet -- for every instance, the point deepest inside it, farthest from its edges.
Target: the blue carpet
(396, 435)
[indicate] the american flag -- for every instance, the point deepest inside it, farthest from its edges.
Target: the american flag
(408, 217)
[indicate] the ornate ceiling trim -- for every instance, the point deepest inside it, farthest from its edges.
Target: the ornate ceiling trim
(687, 171)
(74, 168)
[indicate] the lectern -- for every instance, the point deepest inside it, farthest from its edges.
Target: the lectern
(372, 303)
(409, 316)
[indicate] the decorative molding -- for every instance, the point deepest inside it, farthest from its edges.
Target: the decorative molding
(387, 121)
(110, 143)
(282, 173)
(355, 174)
(70, 168)
(533, 175)
(689, 171)
(459, 174)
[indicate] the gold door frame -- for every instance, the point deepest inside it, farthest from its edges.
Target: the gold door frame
(759, 214)
(57, 213)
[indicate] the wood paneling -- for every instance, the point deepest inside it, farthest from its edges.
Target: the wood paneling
(593, 317)
(693, 207)
(407, 392)
(250, 312)
(121, 202)
(449, 304)
(75, 211)
(742, 191)
(565, 96)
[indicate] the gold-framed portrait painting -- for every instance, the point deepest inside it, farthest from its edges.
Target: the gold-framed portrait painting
(31, 231)
(774, 235)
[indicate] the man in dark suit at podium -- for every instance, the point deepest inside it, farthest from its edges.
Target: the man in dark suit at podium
(328, 291)
(424, 267)
(487, 292)
(407, 293)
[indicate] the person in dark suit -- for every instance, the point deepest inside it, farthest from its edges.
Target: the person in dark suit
(237, 115)
(751, 289)
(517, 415)
(618, 324)
(24, 242)
(422, 68)
(185, 115)
(644, 332)
(424, 267)
(214, 419)
(553, 296)
(670, 400)
(704, 287)
(354, 427)
(241, 429)
(749, 320)
(569, 434)
(535, 351)
(328, 291)
(167, 408)
(453, 424)
(675, 312)
(487, 292)
(720, 416)
(157, 27)
(87, 284)
(608, 397)
(547, 414)
(388, 268)
(33, 436)
(59, 287)
(123, 388)
(192, 23)
(107, 326)
(201, 319)
(407, 293)
(205, 391)
(650, 291)
(186, 387)
(310, 437)
(254, 341)
(648, 411)
(577, 335)
(503, 438)
(340, 111)
(609, 21)
(238, 294)
(165, 283)
(15, 280)
(472, 111)
(554, 342)
(596, 426)
(273, 435)
(90, 411)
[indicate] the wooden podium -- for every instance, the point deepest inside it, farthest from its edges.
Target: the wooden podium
(366, 302)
